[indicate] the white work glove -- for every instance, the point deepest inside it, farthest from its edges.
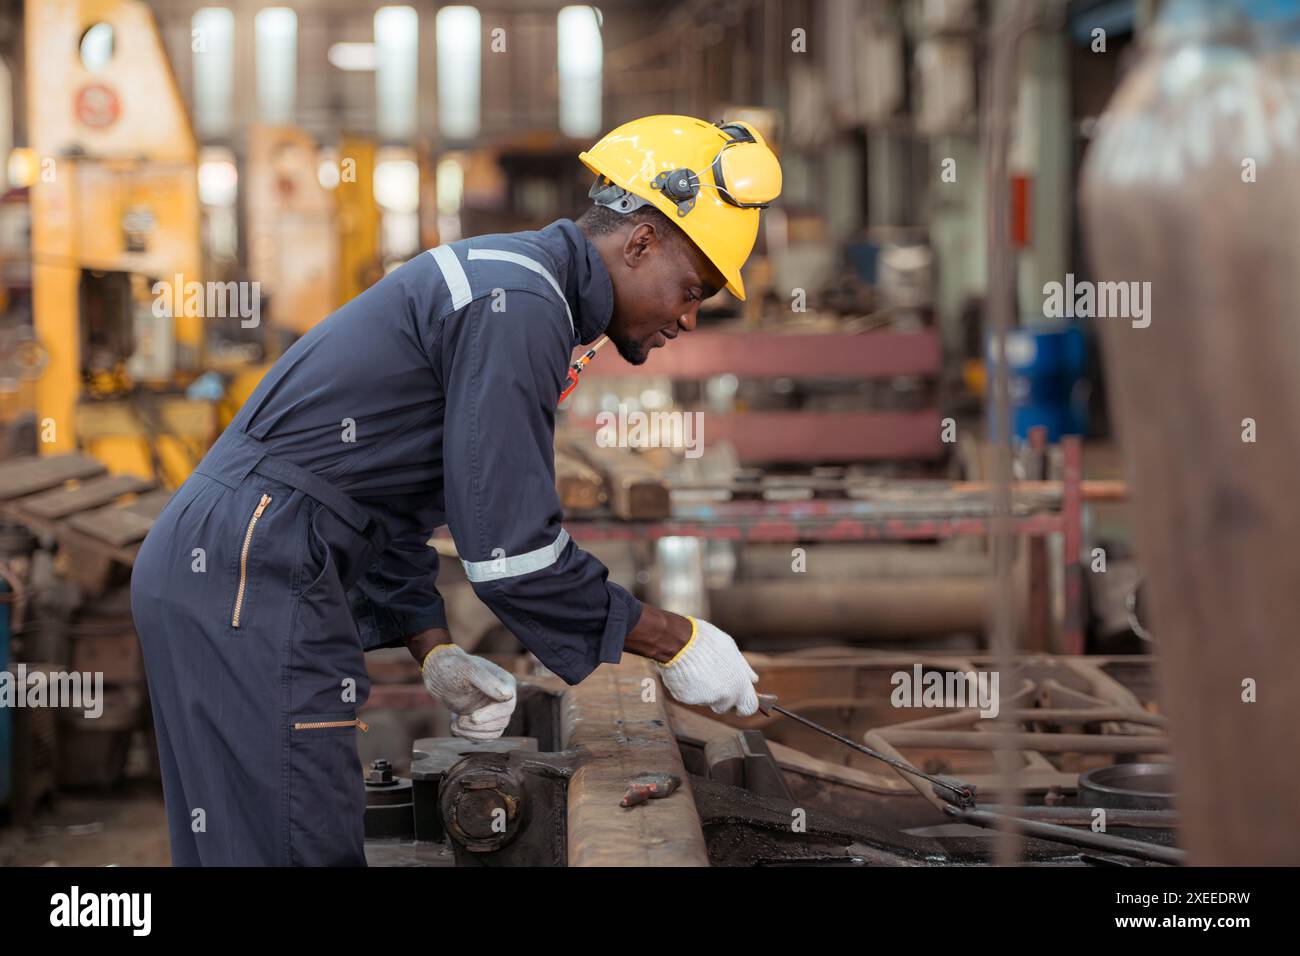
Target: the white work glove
(479, 694)
(711, 670)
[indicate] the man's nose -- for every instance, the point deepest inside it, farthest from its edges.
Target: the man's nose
(687, 319)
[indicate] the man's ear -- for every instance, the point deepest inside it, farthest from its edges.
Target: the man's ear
(641, 241)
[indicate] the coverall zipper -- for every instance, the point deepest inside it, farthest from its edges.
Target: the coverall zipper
(317, 725)
(243, 559)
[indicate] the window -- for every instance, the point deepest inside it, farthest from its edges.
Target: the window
(580, 53)
(397, 192)
(353, 57)
(218, 192)
(276, 31)
(97, 47)
(459, 50)
(449, 187)
(397, 40)
(212, 41)
(6, 120)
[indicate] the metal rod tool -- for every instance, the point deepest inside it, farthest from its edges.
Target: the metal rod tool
(964, 792)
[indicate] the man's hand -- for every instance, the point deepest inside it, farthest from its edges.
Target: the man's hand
(479, 694)
(710, 670)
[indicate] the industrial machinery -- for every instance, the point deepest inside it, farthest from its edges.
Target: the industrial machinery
(120, 303)
(607, 773)
(311, 247)
(115, 241)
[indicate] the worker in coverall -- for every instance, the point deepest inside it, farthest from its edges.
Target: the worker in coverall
(300, 541)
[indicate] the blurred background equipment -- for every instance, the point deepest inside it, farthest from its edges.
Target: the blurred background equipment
(114, 210)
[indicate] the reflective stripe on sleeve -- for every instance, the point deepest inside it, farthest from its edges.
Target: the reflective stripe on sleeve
(532, 265)
(494, 569)
(457, 282)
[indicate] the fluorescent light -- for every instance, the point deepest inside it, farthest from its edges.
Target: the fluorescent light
(397, 39)
(459, 48)
(213, 45)
(352, 56)
(580, 57)
(276, 31)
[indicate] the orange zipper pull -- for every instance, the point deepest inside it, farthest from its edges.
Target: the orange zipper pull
(576, 368)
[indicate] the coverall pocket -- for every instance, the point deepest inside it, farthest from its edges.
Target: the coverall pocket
(320, 552)
(336, 549)
(326, 791)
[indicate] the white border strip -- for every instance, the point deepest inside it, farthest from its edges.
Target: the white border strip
(511, 567)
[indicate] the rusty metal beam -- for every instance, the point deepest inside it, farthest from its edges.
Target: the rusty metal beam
(813, 436)
(1061, 834)
(888, 607)
(797, 521)
(620, 735)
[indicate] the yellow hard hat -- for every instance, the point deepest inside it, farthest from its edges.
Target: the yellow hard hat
(709, 179)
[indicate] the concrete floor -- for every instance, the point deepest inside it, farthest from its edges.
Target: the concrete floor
(124, 827)
(127, 825)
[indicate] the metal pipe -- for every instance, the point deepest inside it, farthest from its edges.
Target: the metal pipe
(1059, 834)
(1045, 743)
(919, 784)
(899, 607)
(856, 562)
(1054, 715)
(1083, 816)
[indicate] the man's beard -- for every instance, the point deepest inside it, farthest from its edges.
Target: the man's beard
(634, 352)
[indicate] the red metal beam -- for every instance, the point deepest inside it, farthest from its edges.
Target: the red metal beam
(778, 528)
(702, 354)
(799, 436)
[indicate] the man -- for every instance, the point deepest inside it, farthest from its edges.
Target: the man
(300, 541)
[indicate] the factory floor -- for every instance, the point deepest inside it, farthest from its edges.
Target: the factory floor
(123, 827)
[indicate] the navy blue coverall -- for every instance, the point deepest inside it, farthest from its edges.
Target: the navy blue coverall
(299, 542)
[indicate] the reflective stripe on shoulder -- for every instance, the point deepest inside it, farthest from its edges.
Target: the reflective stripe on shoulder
(533, 265)
(454, 274)
(510, 567)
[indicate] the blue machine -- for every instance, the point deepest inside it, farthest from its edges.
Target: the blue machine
(1047, 387)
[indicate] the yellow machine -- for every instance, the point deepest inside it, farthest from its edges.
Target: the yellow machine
(119, 301)
(313, 247)
(115, 240)
(358, 220)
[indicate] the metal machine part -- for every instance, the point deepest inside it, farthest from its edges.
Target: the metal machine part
(962, 793)
(556, 791)
(506, 808)
(390, 806)
(1128, 786)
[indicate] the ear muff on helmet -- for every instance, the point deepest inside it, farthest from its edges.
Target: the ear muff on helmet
(745, 171)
